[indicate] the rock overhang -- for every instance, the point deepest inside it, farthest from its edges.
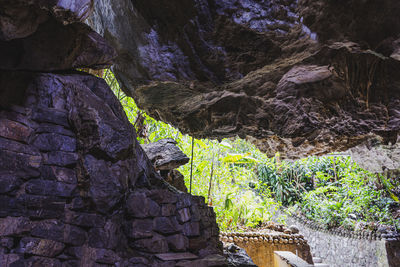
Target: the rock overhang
(266, 71)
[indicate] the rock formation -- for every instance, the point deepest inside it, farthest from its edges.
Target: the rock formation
(76, 188)
(300, 77)
(165, 154)
(166, 157)
(382, 158)
(237, 256)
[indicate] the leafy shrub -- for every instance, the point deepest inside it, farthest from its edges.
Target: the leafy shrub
(333, 191)
(231, 162)
(247, 188)
(286, 180)
(352, 199)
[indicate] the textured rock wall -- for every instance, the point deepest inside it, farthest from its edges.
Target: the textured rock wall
(73, 177)
(299, 77)
(76, 188)
(382, 158)
(333, 20)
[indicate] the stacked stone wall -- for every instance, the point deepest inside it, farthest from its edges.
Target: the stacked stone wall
(77, 190)
(348, 248)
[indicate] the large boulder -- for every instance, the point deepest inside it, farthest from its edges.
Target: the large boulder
(269, 71)
(166, 157)
(237, 256)
(165, 154)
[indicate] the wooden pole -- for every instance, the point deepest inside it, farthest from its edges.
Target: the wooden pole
(211, 176)
(191, 167)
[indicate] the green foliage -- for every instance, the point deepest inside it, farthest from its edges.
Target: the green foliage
(234, 162)
(234, 200)
(351, 199)
(247, 188)
(332, 190)
(286, 180)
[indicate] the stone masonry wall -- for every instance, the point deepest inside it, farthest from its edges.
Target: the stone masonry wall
(349, 249)
(76, 189)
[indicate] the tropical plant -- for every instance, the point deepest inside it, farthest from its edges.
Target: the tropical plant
(246, 188)
(333, 191)
(286, 180)
(352, 199)
(222, 171)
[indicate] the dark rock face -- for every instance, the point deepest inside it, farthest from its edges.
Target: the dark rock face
(372, 23)
(306, 77)
(177, 180)
(237, 257)
(76, 188)
(21, 18)
(25, 24)
(165, 154)
(84, 190)
(191, 40)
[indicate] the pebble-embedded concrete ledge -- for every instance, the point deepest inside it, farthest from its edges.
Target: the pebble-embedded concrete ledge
(260, 244)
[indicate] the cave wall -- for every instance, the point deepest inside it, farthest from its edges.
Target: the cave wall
(299, 77)
(76, 188)
(382, 158)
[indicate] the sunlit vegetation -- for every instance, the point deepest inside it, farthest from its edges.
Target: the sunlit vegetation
(246, 188)
(224, 173)
(333, 191)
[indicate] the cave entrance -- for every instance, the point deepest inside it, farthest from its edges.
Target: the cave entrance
(262, 202)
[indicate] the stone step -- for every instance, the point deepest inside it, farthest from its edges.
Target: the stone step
(317, 260)
(176, 256)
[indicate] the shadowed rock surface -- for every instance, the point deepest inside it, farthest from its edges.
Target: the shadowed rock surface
(166, 157)
(237, 257)
(72, 176)
(76, 188)
(372, 23)
(21, 18)
(165, 154)
(302, 78)
(34, 35)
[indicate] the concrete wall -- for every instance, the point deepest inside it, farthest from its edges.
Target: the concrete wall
(260, 246)
(350, 249)
(263, 254)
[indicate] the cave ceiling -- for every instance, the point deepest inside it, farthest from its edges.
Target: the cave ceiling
(300, 77)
